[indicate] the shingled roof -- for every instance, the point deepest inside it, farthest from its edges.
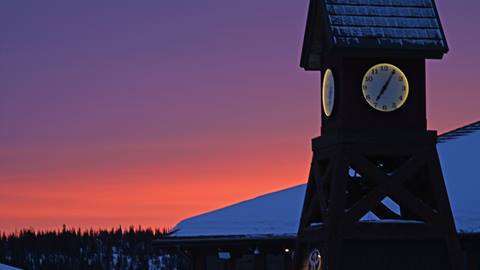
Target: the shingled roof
(471, 128)
(386, 26)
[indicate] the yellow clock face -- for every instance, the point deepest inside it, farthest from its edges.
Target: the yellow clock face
(385, 87)
(328, 92)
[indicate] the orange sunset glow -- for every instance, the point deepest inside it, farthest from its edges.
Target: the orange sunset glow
(147, 113)
(112, 188)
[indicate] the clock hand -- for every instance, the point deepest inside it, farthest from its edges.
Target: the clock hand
(385, 86)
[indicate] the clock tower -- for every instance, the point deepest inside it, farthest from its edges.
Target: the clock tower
(376, 197)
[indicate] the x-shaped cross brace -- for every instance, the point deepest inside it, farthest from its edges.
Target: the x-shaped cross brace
(389, 185)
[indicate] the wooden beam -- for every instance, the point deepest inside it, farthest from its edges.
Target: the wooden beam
(443, 204)
(364, 205)
(320, 182)
(336, 215)
(383, 212)
(409, 168)
(413, 204)
(369, 171)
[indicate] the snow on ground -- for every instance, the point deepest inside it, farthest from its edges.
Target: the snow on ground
(7, 267)
(278, 213)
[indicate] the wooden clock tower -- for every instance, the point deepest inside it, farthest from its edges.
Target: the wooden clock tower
(376, 197)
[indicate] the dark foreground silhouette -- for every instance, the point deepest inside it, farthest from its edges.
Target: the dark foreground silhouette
(88, 249)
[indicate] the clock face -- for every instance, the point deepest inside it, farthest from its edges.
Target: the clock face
(385, 87)
(328, 92)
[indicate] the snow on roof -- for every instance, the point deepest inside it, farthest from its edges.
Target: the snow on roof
(275, 213)
(459, 132)
(278, 213)
(388, 27)
(460, 159)
(7, 267)
(407, 24)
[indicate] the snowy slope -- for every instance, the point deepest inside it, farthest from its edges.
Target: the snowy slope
(274, 213)
(6, 267)
(460, 160)
(278, 213)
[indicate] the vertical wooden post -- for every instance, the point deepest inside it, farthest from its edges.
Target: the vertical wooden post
(335, 219)
(443, 205)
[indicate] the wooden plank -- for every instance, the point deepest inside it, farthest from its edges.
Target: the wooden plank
(336, 214)
(383, 212)
(413, 204)
(409, 168)
(306, 210)
(324, 177)
(320, 182)
(308, 197)
(380, 143)
(314, 211)
(400, 230)
(369, 171)
(314, 234)
(357, 189)
(443, 205)
(366, 204)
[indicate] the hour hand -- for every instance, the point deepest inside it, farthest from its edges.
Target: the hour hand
(385, 86)
(381, 92)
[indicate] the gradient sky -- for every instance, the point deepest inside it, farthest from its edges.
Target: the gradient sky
(147, 112)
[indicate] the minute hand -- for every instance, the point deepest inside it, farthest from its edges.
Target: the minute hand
(385, 86)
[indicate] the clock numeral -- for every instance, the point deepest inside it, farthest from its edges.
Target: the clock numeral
(400, 78)
(394, 105)
(404, 88)
(368, 97)
(384, 68)
(374, 71)
(365, 87)
(400, 97)
(369, 78)
(384, 107)
(375, 104)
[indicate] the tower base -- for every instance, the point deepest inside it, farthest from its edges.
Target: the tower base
(377, 203)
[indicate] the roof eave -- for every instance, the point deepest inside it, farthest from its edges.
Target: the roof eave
(192, 241)
(312, 61)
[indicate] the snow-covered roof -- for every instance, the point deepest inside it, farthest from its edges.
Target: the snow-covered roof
(474, 127)
(278, 213)
(7, 267)
(393, 28)
(407, 24)
(460, 159)
(275, 213)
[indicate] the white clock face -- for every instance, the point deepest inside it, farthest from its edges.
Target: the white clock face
(385, 87)
(328, 92)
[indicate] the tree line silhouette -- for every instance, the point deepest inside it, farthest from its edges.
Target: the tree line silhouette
(115, 249)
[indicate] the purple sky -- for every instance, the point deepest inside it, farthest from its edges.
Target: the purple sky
(170, 95)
